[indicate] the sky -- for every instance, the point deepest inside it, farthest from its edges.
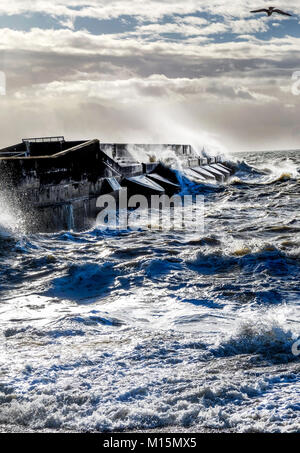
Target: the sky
(168, 71)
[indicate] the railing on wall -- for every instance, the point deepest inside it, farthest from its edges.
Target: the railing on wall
(58, 138)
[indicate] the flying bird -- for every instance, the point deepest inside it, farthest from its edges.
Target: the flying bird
(270, 11)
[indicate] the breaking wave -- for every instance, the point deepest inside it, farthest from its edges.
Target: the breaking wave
(135, 330)
(266, 333)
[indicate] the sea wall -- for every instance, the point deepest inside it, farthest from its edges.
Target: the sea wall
(59, 183)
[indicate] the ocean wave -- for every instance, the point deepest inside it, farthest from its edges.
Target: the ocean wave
(193, 187)
(84, 281)
(124, 330)
(266, 259)
(273, 174)
(245, 169)
(159, 383)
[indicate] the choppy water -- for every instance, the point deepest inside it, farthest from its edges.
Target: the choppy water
(148, 329)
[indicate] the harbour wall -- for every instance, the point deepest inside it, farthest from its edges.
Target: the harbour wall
(58, 183)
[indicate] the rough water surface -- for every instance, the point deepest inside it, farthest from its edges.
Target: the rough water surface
(140, 330)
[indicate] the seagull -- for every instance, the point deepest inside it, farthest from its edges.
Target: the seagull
(270, 11)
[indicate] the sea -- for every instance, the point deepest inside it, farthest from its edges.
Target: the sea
(140, 330)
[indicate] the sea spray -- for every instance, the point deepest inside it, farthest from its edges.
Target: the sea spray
(266, 332)
(126, 331)
(11, 219)
(170, 124)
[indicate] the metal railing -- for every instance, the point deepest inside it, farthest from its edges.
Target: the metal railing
(58, 138)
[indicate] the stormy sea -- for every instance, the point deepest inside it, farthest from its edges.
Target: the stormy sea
(108, 331)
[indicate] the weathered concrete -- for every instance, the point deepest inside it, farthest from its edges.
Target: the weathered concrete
(131, 169)
(204, 173)
(217, 174)
(190, 173)
(221, 169)
(149, 167)
(169, 186)
(142, 185)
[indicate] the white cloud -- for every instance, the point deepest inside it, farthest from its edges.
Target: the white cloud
(187, 26)
(93, 83)
(68, 42)
(248, 26)
(152, 9)
(68, 22)
(156, 88)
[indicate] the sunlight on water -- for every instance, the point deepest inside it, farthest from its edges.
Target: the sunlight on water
(114, 330)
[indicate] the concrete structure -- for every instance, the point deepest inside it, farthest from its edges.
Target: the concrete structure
(57, 182)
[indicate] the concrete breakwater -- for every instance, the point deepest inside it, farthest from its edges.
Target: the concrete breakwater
(56, 183)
